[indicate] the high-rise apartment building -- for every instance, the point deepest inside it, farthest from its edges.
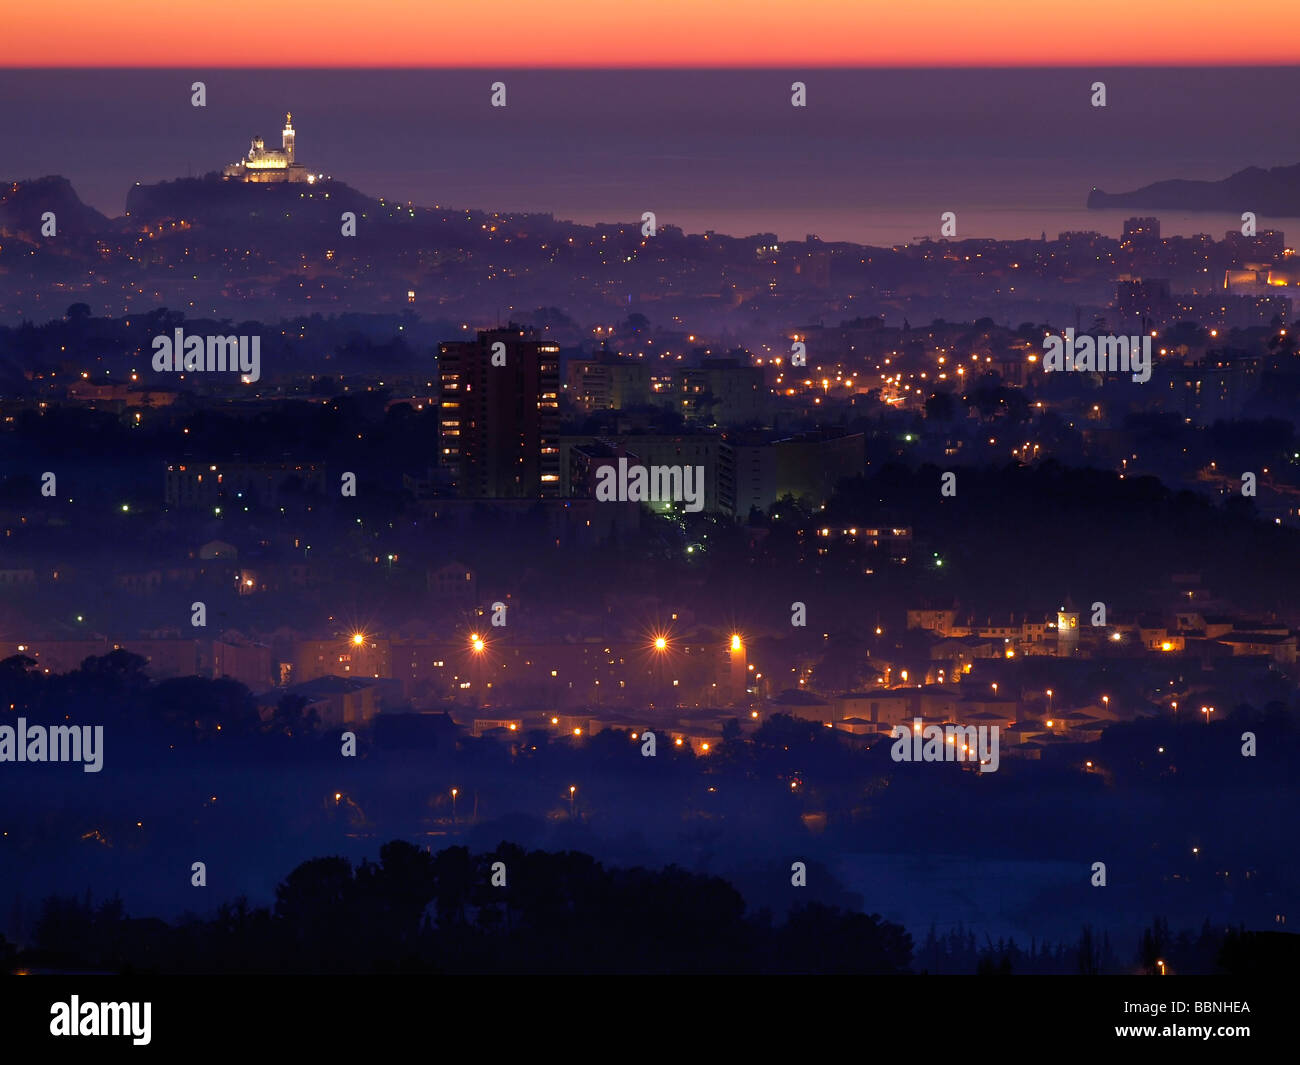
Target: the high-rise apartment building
(499, 414)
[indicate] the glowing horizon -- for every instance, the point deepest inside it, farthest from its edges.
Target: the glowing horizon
(638, 34)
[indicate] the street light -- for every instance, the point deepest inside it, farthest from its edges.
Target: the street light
(659, 645)
(572, 790)
(477, 643)
(454, 793)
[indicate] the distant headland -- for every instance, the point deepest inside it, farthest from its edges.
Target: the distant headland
(1266, 192)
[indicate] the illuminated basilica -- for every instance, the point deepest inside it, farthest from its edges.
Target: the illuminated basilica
(270, 164)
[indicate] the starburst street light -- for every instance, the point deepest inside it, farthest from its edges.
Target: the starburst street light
(477, 643)
(358, 639)
(661, 643)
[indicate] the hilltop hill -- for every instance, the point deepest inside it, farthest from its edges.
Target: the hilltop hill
(1266, 192)
(22, 203)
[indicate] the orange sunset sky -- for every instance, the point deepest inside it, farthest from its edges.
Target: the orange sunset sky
(647, 33)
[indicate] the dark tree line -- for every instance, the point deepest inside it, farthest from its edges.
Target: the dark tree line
(1210, 950)
(451, 912)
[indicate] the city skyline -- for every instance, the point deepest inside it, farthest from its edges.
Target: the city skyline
(841, 516)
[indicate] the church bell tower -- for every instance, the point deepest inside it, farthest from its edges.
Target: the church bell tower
(287, 135)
